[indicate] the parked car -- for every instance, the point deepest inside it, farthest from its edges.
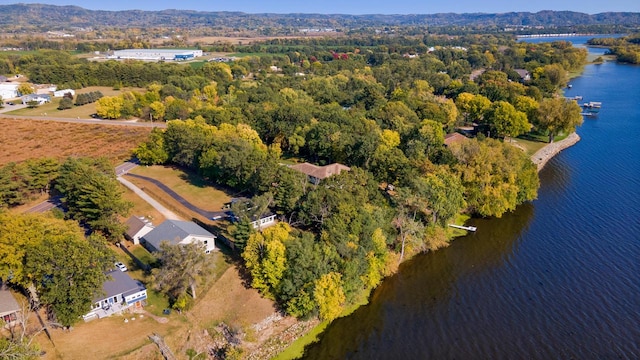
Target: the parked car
(10, 103)
(121, 266)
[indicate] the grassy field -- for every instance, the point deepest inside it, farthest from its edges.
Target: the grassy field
(190, 186)
(82, 112)
(142, 208)
(24, 139)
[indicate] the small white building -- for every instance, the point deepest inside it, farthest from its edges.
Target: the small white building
(137, 227)
(8, 90)
(60, 93)
(263, 221)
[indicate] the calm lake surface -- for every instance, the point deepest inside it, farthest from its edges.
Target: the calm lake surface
(559, 278)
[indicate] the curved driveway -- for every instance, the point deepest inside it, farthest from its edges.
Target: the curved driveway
(168, 214)
(180, 199)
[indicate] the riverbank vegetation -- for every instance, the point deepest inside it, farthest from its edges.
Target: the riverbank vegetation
(625, 48)
(381, 106)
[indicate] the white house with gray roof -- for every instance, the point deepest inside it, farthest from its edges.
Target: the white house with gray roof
(178, 232)
(120, 293)
(9, 307)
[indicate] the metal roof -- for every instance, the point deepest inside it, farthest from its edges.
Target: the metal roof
(174, 231)
(8, 303)
(119, 283)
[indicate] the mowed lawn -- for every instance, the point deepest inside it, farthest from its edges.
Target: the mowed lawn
(141, 207)
(82, 112)
(190, 186)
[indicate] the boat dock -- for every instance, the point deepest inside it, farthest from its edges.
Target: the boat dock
(592, 105)
(468, 228)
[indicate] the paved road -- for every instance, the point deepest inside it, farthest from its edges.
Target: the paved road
(86, 121)
(45, 205)
(180, 199)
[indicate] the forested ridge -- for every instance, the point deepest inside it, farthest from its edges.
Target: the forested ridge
(52, 17)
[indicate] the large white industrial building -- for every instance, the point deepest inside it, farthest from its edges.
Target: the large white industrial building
(8, 90)
(156, 54)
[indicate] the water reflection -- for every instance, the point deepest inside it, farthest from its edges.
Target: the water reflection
(425, 287)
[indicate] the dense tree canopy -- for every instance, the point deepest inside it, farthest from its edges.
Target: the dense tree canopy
(92, 195)
(53, 257)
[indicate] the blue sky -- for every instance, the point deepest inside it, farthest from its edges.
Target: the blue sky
(356, 7)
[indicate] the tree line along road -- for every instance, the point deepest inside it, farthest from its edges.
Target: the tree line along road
(87, 121)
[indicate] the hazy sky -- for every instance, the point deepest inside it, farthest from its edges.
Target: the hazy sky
(356, 7)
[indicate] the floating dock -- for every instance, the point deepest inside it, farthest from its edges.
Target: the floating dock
(592, 105)
(468, 228)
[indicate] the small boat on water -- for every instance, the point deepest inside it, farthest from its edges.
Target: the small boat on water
(589, 113)
(576, 98)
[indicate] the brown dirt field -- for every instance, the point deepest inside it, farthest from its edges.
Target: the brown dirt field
(24, 139)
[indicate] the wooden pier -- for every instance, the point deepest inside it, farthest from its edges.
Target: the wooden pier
(468, 228)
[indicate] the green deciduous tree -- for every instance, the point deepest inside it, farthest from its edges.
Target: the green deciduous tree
(557, 115)
(496, 176)
(51, 257)
(181, 267)
(445, 195)
(506, 120)
(152, 152)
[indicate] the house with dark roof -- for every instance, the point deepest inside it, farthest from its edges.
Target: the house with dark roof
(178, 232)
(524, 74)
(315, 173)
(120, 293)
(9, 307)
(137, 227)
(454, 138)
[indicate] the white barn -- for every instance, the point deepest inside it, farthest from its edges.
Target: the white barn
(60, 93)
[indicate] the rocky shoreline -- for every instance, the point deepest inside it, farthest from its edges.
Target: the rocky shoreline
(542, 156)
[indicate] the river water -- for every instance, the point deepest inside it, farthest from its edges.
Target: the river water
(559, 278)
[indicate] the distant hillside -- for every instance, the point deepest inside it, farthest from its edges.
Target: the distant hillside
(52, 17)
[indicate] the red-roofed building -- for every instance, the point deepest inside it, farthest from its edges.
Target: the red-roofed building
(454, 138)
